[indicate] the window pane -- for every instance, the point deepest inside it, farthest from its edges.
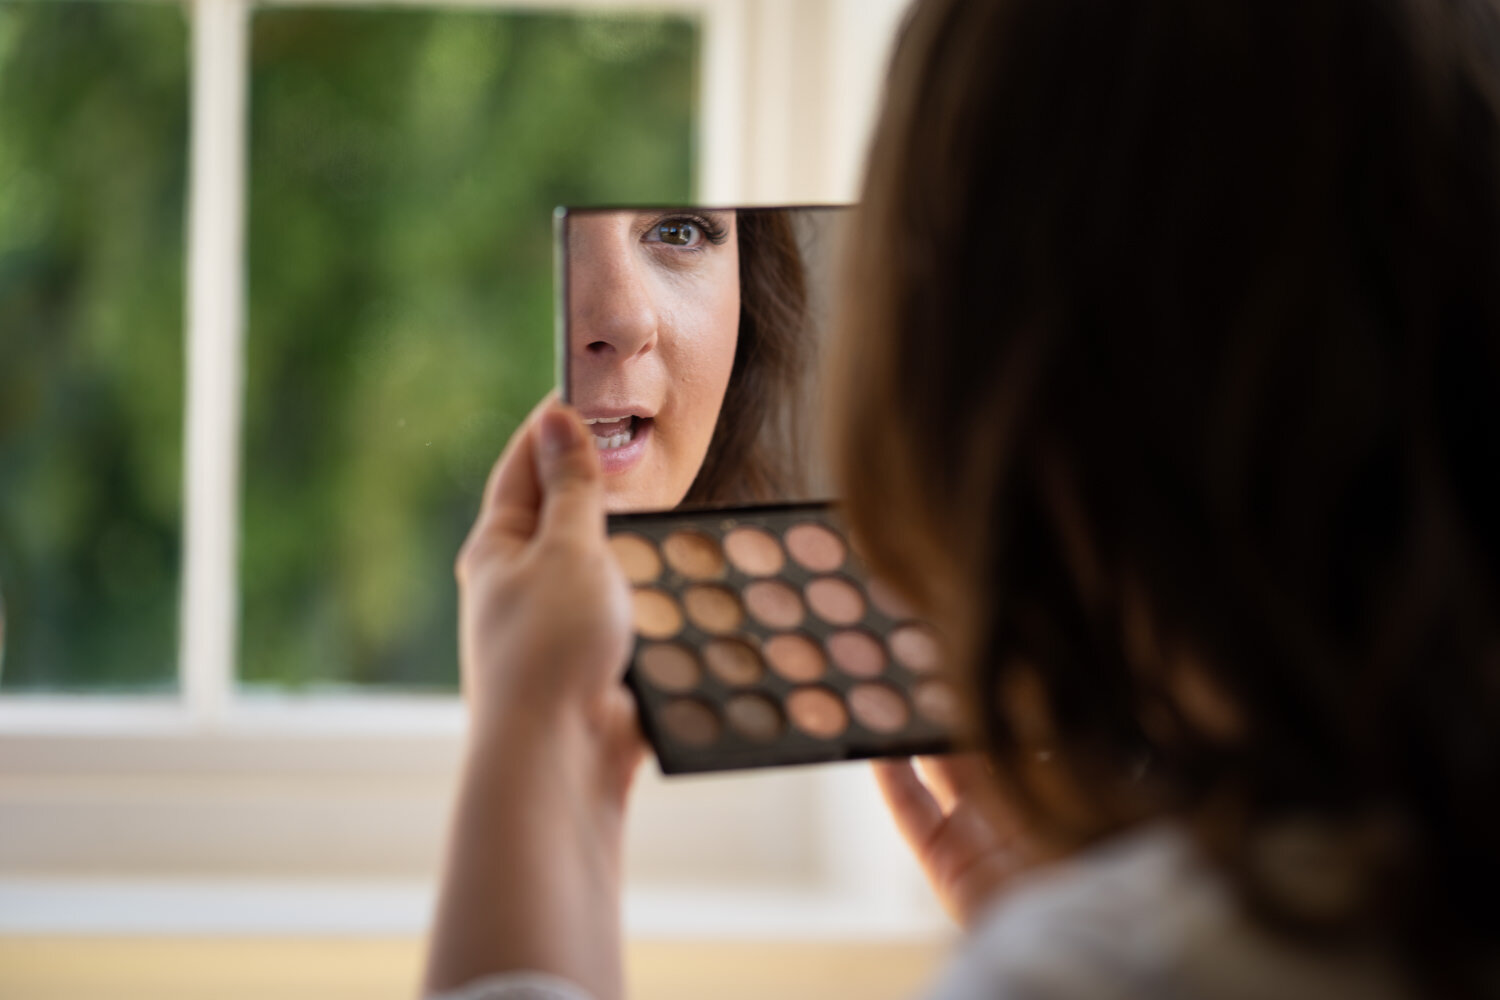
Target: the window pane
(93, 126)
(404, 166)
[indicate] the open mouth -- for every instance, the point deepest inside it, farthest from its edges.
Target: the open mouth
(621, 441)
(614, 433)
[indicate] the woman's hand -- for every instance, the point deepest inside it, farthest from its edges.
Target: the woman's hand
(532, 875)
(965, 837)
(544, 611)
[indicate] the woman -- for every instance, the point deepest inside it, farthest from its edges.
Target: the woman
(686, 342)
(1167, 388)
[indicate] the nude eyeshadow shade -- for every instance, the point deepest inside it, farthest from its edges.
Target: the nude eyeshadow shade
(917, 647)
(693, 555)
(733, 661)
(760, 642)
(774, 604)
(815, 547)
(754, 552)
(670, 666)
(637, 557)
(835, 600)
(656, 614)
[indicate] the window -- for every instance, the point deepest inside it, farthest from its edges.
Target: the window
(93, 143)
(268, 659)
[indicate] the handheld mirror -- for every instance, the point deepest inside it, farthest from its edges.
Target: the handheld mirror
(692, 340)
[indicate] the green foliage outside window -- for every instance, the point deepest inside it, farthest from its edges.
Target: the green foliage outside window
(93, 131)
(404, 167)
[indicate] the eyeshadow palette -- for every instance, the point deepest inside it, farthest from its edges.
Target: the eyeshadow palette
(761, 641)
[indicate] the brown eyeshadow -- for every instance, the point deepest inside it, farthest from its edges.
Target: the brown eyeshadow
(694, 555)
(774, 604)
(669, 665)
(754, 717)
(690, 722)
(713, 609)
(815, 547)
(637, 557)
(879, 707)
(656, 614)
(733, 662)
(858, 654)
(890, 603)
(917, 647)
(936, 702)
(754, 552)
(795, 657)
(818, 712)
(835, 600)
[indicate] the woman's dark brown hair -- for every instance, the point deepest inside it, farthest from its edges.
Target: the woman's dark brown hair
(748, 460)
(1170, 384)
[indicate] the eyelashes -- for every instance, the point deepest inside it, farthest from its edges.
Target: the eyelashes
(686, 232)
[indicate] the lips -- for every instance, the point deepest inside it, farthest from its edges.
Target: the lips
(620, 437)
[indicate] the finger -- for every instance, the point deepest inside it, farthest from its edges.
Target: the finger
(966, 778)
(917, 814)
(955, 777)
(567, 467)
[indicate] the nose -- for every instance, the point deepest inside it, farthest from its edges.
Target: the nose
(612, 315)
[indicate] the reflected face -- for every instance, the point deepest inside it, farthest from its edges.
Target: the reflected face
(653, 321)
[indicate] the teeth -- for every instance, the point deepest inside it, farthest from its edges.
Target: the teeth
(613, 441)
(614, 438)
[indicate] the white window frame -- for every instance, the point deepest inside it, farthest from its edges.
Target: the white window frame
(215, 809)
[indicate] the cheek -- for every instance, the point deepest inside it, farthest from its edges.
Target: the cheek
(706, 339)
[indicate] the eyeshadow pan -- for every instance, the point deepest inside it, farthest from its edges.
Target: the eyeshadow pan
(835, 600)
(754, 717)
(818, 712)
(917, 647)
(669, 665)
(936, 702)
(694, 555)
(795, 657)
(856, 653)
(815, 547)
(713, 609)
(879, 707)
(691, 722)
(733, 662)
(774, 604)
(890, 603)
(637, 557)
(656, 614)
(754, 552)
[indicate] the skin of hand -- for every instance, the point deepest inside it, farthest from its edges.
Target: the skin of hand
(969, 843)
(532, 874)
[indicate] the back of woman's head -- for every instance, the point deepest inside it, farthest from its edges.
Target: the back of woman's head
(1170, 365)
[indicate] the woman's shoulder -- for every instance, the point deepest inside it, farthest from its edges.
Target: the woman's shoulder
(1142, 915)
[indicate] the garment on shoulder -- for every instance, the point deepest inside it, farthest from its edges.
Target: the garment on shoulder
(1143, 916)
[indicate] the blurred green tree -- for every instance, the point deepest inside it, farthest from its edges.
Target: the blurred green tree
(404, 166)
(93, 126)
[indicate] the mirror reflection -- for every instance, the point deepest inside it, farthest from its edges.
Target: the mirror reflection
(692, 341)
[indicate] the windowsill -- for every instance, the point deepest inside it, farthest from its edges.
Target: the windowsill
(202, 907)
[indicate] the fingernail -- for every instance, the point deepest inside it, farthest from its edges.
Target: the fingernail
(559, 433)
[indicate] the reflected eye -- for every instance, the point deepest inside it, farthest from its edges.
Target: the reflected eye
(679, 233)
(686, 232)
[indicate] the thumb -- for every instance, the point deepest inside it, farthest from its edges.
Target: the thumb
(568, 469)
